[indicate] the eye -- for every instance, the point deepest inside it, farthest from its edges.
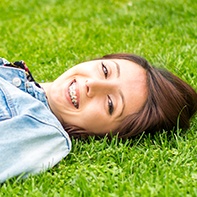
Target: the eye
(105, 71)
(110, 105)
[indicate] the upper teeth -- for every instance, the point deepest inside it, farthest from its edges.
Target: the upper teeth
(73, 96)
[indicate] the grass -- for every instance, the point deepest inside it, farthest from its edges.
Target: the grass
(53, 35)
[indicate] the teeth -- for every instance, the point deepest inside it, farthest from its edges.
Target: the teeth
(73, 95)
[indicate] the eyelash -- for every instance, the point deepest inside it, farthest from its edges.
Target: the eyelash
(105, 70)
(110, 105)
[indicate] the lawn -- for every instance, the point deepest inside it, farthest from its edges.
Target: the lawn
(53, 35)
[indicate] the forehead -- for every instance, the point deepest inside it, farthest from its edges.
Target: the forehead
(128, 71)
(130, 66)
(133, 84)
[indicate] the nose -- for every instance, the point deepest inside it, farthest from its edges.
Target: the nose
(98, 87)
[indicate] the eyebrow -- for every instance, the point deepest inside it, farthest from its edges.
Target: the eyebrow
(117, 68)
(123, 104)
(120, 92)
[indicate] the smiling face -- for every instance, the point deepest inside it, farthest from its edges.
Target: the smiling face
(97, 95)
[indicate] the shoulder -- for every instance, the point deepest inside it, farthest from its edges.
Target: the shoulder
(30, 145)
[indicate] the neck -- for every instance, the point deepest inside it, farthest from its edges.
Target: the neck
(46, 87)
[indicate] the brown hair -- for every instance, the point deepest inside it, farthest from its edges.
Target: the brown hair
(171, 103)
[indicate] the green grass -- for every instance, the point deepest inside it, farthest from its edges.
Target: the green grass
(53, 35)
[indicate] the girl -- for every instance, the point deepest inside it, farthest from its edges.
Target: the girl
(118, 94)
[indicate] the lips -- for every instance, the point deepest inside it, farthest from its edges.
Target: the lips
(73, 94)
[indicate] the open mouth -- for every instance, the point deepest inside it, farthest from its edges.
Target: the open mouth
(73, 94)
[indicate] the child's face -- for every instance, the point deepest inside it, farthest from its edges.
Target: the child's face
(97, 95)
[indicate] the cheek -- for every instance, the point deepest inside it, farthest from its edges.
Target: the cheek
(98, 123)
(94, 118)
(85, 70)
(94, 122)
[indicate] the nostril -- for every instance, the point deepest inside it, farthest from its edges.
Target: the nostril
(87, 87)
